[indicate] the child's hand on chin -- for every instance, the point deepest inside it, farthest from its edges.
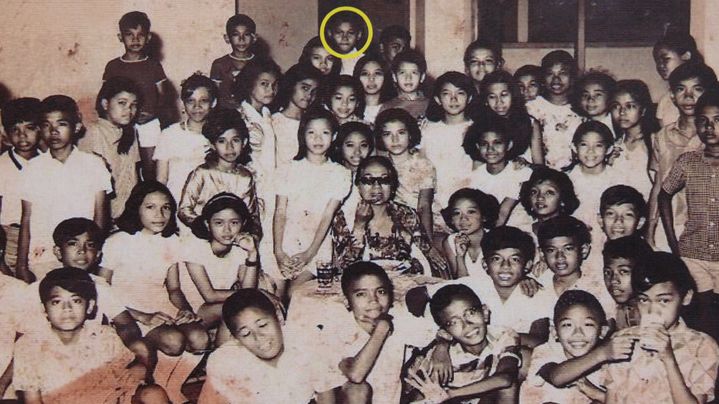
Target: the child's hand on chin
(245, 241)
(656, 339)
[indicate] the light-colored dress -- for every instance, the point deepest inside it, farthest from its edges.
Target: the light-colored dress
(558, 123)
(286, 142)
(184, 150)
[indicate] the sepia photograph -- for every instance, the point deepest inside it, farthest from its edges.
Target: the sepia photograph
(359, 201)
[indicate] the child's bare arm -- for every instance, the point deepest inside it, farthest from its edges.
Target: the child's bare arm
(31, 397)
(185, 313)
(537, 335)
(23, 249)
(279, 221)
(653, 218)
(424, 209)
(320, 234)
(188, 200)
(199, 277)
(505, 209)
(456, 263)
(658, 339)
(101, 216)
(357, 368)
(667, 214)
(162, 170)
(504, 377)
(536, 146)
(146, 163)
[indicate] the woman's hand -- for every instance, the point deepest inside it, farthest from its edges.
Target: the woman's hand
(286, 265)
(461, 244)
(185, 316)
(363, 214)
(299, 261)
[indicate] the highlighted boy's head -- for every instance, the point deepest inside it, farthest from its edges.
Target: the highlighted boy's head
(548, 193)
(345, 31)
(61, 122)
(662, 284)
(707, 117)
(489, 140)
(687, 83)
(593, 92)
(559, 69)
(409, 70)
(393, 40)
(228, 136)
(252, 318)
(458, 312)
(368, 291)
(579, 321)
(21, 119)
(240, 33)
(134, 31)
(529, 79)
(621, 256)
(481, 58)
(470, 210)
(508, 253)
(78, 243)
(564, 243)
(69, 296)
(622, 211)
(222, 219)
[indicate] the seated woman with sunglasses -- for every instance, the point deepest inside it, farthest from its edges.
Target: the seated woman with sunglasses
(380, 229)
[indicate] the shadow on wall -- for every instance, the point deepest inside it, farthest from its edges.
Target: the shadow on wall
(169, 112)
(5, 95)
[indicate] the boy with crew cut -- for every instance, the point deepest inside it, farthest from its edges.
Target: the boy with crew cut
(409, 69)
(393, 40)
(241, 35)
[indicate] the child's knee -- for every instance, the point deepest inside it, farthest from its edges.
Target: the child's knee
(150, 394)
(196, 339)
(357, 393)
(171, 342)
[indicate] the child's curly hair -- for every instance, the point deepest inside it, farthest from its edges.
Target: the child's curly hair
(567, 197)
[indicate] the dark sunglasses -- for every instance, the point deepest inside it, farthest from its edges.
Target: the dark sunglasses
(375, 180)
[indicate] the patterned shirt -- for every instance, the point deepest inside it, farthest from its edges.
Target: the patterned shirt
(692, 171)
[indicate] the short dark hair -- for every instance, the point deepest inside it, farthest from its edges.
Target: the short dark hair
(632, 247)
(345, 80)
(359, 269)
(195, 81)
(219, 121)
(508, 237)
(559, 57)
(488, 206)
(384, 162)
(478, 129)
(346, 16)
(593, 126)
(309, 116)
(446, 295)
(240, 19)
(129, 220)
(400, 115)
(607, 82)
(343, 132)
(394, 31)
(134, 19)
(219, 202)
(25, 109)
(710, 98)
(73, 227)
(567, 196)
(621, 194)
(435, 112)
(571, 298)
(563, 226)
(528, 70)
(699, 71)
(245, 82)
(410, 56)
(71, 279)
(638, 90)
(659, 267)
(68, 106)
(495, 47)
(244, 299)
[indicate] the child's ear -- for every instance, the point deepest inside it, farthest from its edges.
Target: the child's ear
(422, 77)
(688, 298)
(227, 38)
(119, 36)
(254, 38)
(214, 103)
(610, 150)
(469, 99)
(442, 333)
(641, 222)
(58, 253)
(603, 331)
(346, 303)
(510, 144)
(90, 306)
(686, 56)
(484, 265)
(149, 37)
(599, 220)
(586, 248)
(104, 103)
(500, 63)
(394, 77)
(436, 99)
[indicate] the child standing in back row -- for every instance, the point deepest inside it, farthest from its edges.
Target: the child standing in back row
(409, 70)
(240, 35)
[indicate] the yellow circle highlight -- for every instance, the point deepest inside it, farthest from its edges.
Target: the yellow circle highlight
(352, 54)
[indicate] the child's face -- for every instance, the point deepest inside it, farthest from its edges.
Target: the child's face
(466, 216)
(545, 199)
(578, 330)
(464, 322)
(667, 60)
(259, 332)
(594, 100)
(618, 279)
(241, 38)
(493, 147)
(663, 301)
(58, 130)
(372, 78)
(620, 220)
(707, 122)
(506, 267)
(626, 112)
(452, 99)
(80, 252)
(155, 212)
(558, 79)
(686, 94)
(379, 190)
(318, 137)
(67, 311)
(369, 298)
(229, 146)
(563, 255)
(482, 61)
(24, 136)
(529, 86)
(345, 36)
(322, 60)
(198, 104)
(224, 226)
(395, 137)
(134, 39)
(355, 148)
(265, 89)
(343, 103)
(121, 108)
(591, 150)
(304, 93)
(392, 47)
(499, 98)
(408, 77)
